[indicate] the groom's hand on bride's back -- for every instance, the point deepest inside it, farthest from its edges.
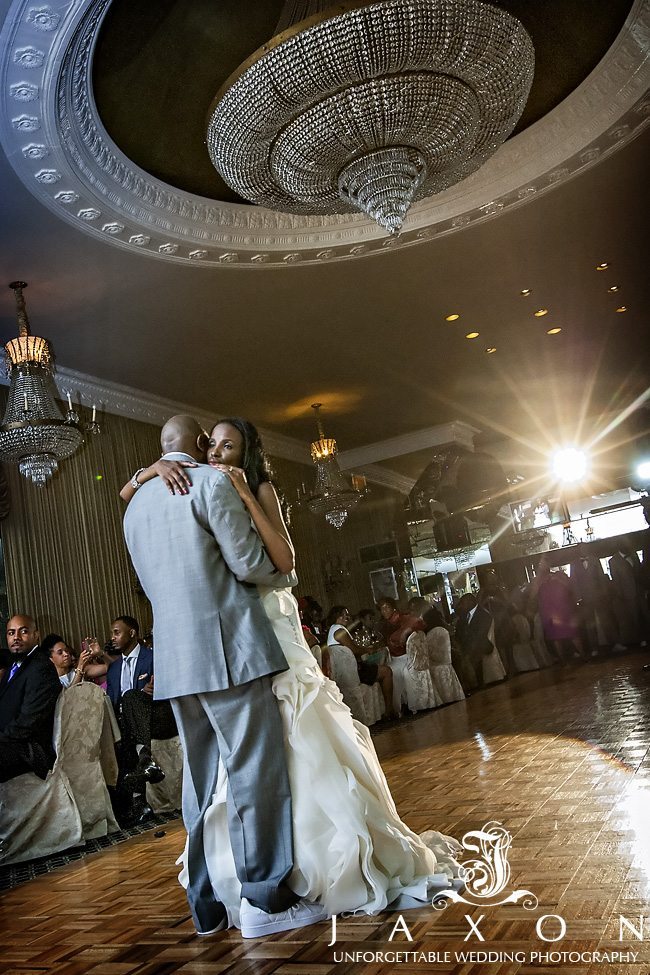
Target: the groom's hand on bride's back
(175, 475)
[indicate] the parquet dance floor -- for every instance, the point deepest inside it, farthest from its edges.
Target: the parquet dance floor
(561, 758)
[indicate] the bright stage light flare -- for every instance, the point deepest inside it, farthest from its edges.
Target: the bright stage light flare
(643, 471)
(569, 464)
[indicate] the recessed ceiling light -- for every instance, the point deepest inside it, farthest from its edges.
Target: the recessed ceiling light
(602, 267)
(553, 331)
(452, 318)
(614, 287)
(472, 335)
(622, 308)
(491, 350)
(541, 312)
(525, 292)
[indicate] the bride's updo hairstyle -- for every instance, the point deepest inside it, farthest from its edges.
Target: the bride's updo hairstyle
(255, 462)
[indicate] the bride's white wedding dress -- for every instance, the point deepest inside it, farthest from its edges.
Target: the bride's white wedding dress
(351, 850)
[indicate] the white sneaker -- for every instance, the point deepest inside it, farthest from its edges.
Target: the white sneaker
(221, 926)
(256, 923)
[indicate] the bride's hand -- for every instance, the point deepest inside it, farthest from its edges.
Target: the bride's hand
(238, 479)
(174, 475)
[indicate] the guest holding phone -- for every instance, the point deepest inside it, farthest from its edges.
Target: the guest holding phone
(70, 672)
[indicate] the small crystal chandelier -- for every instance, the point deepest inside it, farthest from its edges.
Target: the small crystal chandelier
(34, 433)
(368, 105)
(332, 496)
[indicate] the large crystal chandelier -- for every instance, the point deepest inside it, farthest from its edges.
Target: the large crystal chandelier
(331, 496)
(369, 106)
(34, 433)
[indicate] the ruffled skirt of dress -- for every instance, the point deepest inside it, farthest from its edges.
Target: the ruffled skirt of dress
(351, 850)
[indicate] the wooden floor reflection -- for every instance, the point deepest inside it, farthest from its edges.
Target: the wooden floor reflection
(561, 758)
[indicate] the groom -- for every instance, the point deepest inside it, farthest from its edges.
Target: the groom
(198, 560)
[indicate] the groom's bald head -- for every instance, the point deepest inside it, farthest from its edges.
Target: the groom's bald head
(183, 433)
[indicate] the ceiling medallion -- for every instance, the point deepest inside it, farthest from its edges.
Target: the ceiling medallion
(92, 185)
(368, 106)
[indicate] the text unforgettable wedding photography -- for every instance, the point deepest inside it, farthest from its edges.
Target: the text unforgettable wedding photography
(324, 487)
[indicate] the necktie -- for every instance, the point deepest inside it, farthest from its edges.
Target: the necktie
(14, 668)
(127, 679)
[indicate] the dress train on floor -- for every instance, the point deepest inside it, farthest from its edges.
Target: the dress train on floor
(352, 852)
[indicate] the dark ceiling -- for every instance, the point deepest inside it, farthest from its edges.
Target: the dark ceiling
(158, 66)
(368, 336)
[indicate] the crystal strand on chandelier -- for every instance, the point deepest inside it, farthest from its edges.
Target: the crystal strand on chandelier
(383, 184)
(336, 518)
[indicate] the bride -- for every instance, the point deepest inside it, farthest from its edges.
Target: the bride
(352, 852)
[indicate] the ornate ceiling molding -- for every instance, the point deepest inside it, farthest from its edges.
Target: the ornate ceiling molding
(443, 433)
(52, 134)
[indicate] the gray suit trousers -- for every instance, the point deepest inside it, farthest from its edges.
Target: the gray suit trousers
(242, 726)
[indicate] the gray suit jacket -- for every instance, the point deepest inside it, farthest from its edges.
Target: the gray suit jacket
(198, 559)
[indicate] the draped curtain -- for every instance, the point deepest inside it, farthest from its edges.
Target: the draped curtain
(66, 563)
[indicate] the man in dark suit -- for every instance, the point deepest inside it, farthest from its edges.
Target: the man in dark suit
(28, 694)
(473, 634)
(133, 670)
(130, 683)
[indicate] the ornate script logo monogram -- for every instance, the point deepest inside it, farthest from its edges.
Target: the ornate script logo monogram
(487, 875)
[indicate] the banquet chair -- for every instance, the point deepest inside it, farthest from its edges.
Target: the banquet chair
(523, 652)
(538, 643)
(83, 718)
(443, 674)
(492, 664)
(39, 817)
(418, 688)
(165, 796)
(365, 702)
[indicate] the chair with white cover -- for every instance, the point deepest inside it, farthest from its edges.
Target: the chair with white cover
(165, 796)
(442, 671)
(538, 643)
(493, 669)
(39, 817)
(365, 702)
(419, 691)
(523, 652)
(82, 721)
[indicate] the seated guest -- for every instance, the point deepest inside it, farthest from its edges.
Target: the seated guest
(311, 614)
(369, 673)
(133, 668)
(28, 696)
(474, 633)
(398, 627)
(369, 631)
(130, 684)
(61, 655)
(390, 616)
